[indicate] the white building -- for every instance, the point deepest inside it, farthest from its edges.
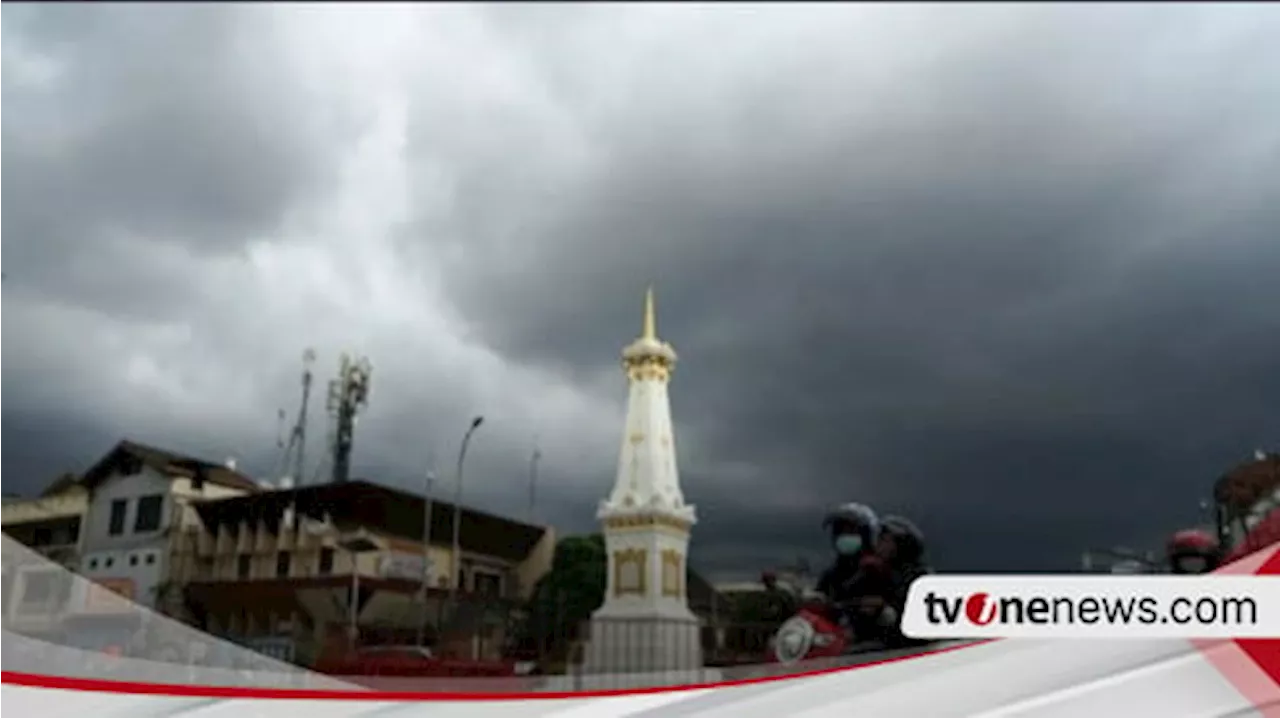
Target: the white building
(139, 510)
(645, 624)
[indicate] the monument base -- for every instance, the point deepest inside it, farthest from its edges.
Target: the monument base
(644, 644)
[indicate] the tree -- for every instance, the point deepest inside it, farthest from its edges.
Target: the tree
(567, 595)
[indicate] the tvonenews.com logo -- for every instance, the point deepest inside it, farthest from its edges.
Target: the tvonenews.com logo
(1093, 606)
(983, 609)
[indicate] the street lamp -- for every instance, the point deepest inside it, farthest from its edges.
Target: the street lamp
(356, 544)
(455, 563)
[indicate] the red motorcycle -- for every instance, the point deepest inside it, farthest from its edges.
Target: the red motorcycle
(822, 629)
(815, 631)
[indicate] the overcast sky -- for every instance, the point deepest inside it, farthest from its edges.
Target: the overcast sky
(1012, 270)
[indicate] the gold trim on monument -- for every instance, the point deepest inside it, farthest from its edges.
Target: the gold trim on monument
(641, 522)
(672, 573)
(637, 557)
(648, 367)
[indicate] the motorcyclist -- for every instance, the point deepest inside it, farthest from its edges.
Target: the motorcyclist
(859, 580)
(1193, 551)
(901, 545)
(853, 529)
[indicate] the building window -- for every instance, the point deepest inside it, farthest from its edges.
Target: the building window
(93, 563)
(133, 559)
(119, 508)
(326, 561)
(242, 567)
(283, 563)
(108, 562)
(148, 518)
(151, 559)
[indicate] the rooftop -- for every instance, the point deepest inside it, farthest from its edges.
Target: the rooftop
(366, 504)
(166, 462)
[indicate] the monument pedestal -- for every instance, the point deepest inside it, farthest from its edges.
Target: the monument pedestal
(624, 645)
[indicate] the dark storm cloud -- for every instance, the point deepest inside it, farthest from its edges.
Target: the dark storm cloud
(169, 124)
(1029, 294)
(1010, 271)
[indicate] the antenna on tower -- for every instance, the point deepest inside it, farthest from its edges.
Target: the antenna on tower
(300, 428)
(348, 394)
(280, 417)
(293, 454)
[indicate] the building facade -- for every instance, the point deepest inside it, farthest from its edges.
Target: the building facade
(141, 504)
(116, 525)
(321, 567)
(284, 571)
(42, 537)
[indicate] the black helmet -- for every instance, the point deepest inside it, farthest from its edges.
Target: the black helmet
(907, 537)
(853, 518)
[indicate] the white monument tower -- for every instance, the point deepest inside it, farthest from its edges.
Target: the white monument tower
(645, 623)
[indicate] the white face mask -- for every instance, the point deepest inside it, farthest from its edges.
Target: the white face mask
(848, 544)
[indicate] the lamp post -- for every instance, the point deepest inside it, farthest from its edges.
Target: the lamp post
(454, 557)
(426, 553)
(356, 544)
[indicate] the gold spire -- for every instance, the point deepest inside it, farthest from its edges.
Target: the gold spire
(650, 324)
(649, 357)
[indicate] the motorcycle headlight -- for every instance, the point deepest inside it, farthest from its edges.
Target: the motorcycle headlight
(793, 640)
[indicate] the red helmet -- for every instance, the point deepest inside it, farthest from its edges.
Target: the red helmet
(1192, 551)
(1192, 540)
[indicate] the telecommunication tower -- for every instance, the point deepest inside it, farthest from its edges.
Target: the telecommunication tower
(348, 394)
(292, 460)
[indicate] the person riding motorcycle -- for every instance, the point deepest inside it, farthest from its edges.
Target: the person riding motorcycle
(853, 529)
(860, 581)
(901, 545)
(1192, 552)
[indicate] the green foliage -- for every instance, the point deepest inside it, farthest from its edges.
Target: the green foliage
(565, 598)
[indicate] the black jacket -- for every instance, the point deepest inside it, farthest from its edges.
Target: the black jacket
(902, 578)
(853, 578)
(833, 582)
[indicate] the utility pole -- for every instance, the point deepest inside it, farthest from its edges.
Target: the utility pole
(533, 480)
(426, 549)
(347, 395)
